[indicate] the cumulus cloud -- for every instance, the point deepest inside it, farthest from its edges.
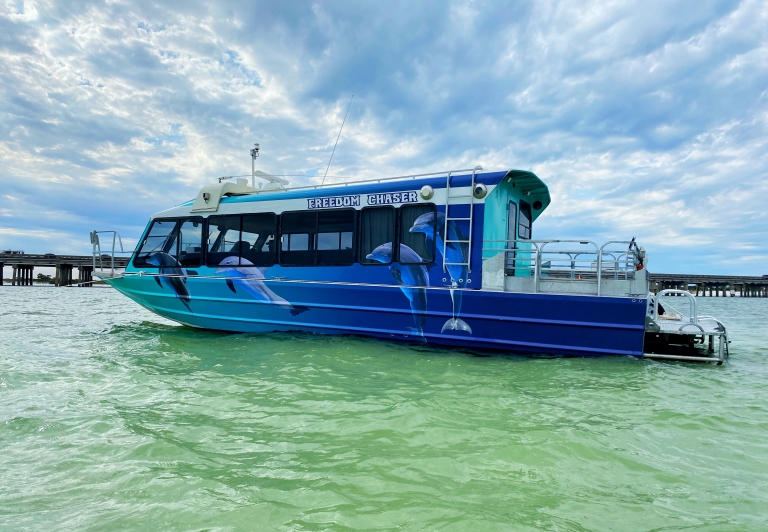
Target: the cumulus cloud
(646, 119)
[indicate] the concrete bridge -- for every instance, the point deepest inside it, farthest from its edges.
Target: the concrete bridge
(711, 285)
(24, 264)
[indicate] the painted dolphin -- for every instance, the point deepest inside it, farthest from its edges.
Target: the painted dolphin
(455, 252)
(411, 277)
(251, 280)
(169, 265)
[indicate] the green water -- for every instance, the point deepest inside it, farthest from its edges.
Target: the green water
(114, 419)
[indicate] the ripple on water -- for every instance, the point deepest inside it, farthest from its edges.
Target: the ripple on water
(112, 418)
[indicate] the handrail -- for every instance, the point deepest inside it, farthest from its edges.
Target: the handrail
(600, 260)
(97, 246)
(379, 180)
(570, 242)
(693, 317)
(580, 259)
(616, 242)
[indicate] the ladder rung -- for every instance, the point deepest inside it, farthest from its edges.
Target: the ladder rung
(459, 199)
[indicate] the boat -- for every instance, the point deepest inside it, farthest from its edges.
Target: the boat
(445, 259)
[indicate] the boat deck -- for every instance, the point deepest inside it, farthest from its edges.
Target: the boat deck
(678, 335)
(704, 325)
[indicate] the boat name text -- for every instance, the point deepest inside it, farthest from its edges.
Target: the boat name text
(333, 201)
(393, 197)
(354, 201)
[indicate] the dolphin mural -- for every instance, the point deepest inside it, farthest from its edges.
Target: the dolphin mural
(250, 279)
(169, 265)
(455, 252)
(411, 277)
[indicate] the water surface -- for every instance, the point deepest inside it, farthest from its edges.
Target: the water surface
(112, 418)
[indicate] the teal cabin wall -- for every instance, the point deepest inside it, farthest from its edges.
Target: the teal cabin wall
(515, 186)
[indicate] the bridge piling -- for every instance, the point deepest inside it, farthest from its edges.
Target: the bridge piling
(22, 275)
(85, 275)
(63, 275)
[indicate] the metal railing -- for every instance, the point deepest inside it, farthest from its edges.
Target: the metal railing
(575, 261)
(97, 254)
(693, 317)
(464, 171)
(693, 314)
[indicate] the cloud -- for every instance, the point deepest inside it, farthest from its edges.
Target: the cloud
(646, 119)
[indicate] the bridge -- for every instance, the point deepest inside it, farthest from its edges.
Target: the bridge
(24, 264)
(700, 285)
(710, 285)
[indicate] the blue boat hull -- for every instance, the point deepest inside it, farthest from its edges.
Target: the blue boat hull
(511, 322)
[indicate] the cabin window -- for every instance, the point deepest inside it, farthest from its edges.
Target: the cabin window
(161, 238)
(509, 264)
(335, 237)
(257, 239)
(179, 240)
(250, 238)
(322, 238)
(190, 238)
(524, 221)
(297, 231)
(418, 242)
(377, 227)
(223, 239)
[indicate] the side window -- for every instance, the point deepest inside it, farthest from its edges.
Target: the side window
(377, 227)
(297, 235)
(190, 242)
(509, 265)
(257, 240)
(524, 221)
(335, 235)
(420, 244)
(161, 238)
(223, 238)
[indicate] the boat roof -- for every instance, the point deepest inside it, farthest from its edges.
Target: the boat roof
(526, 183)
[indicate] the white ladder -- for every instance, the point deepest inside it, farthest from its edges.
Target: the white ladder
(457, 200)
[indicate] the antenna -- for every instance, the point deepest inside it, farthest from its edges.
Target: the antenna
(337, 140)
(254, 156)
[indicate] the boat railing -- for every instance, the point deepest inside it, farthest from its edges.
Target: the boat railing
(693, 316)
(98, 256)
(385, 179)
(564, 261)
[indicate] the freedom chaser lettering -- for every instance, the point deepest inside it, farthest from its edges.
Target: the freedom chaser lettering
(393, 197)
(333, 201)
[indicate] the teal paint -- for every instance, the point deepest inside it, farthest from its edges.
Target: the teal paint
(515, 186)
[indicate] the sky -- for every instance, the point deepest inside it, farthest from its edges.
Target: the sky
(645, 119)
